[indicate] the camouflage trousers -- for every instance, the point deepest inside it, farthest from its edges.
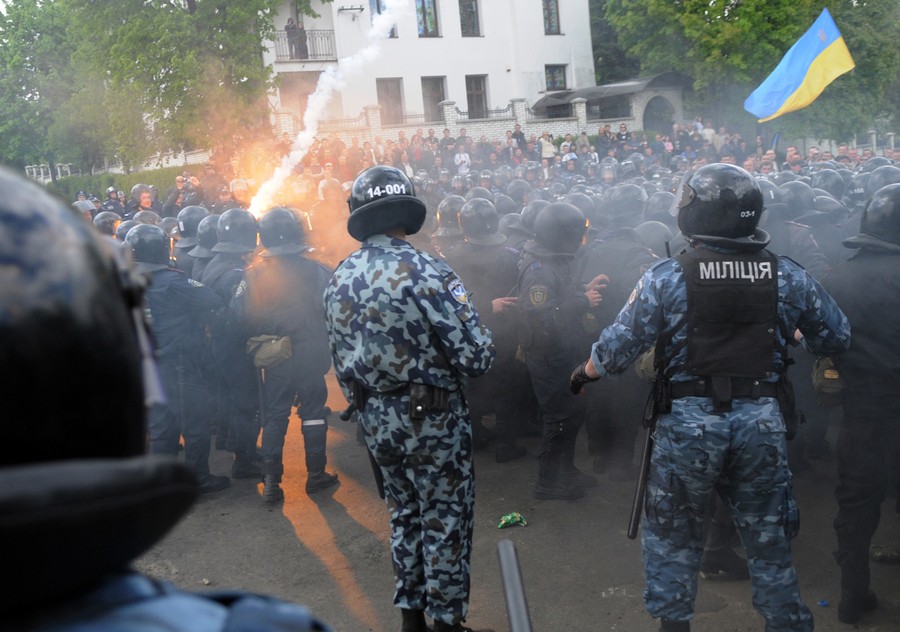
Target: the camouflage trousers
(742, 455)
(430, 492)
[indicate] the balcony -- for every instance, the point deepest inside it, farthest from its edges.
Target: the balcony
(316, 45)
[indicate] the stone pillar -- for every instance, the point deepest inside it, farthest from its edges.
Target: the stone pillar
(448, 113)
(579, 109)
(520, 111)
(890, 138)
(873, 138)
(373, 119)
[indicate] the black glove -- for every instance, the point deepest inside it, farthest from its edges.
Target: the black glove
(579, 378)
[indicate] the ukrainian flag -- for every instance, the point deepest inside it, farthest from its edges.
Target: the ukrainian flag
(814, 61)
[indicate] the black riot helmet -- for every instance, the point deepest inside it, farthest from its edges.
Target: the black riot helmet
(770, 192)
(557, 190)
(874, 163)
(480, 192)
(281, 233)
(147, 217)
(236, 232)
(207, 237)
(170, 227)
(189, 219)
(798, 196)
(448, 216)
(107, 222)
(530, 213)
(382, 198)
(655, 235)
(625, 204)
(66, 320)
(659, 207)
(560, 227)
(123, 229)
(150, 247)
(721, 204)
(505, 204)
(519, 190)
(584, 203)
(829, 180)
(879, 226)
(881, 177)
(480, 222)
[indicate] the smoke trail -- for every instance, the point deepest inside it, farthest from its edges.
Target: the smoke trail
(333, 79)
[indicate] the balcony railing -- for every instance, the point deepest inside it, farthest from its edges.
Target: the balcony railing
(303, 45)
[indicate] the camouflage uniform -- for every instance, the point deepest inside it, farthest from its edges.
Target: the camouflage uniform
(396, 317)
(698, 452)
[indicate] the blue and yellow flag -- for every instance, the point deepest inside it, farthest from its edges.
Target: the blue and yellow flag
(814, 61)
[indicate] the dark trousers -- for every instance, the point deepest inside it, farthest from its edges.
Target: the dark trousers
(185, 414)
(615, 407)
(294, 379)
(560, 410)
(865, 448)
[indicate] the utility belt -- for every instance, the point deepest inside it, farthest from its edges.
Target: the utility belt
(423, 398)
(739, 388)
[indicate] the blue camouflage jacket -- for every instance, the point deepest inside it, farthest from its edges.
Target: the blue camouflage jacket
(658, 306)
(396, 315)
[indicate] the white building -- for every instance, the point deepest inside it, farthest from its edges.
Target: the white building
(479, 53)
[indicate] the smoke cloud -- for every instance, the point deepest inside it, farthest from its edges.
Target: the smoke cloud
(330, 81)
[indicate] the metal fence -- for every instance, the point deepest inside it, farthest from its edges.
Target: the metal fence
(302, 45)
(481, 115)
(552, 112)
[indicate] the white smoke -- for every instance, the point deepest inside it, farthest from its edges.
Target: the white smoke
(333, 79)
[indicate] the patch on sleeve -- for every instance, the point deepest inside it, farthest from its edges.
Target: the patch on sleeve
(637, 290)
(537, 294)
(239, 290)
(458, 292)
(195, 283)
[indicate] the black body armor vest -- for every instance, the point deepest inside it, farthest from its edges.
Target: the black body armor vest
(732, 313)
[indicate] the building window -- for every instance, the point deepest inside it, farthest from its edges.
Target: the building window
(390, 98)
(376, 7)
(476, 95)
(426, 15)
(551, 17)
(468, 18)
(432, 95)
(555, 76)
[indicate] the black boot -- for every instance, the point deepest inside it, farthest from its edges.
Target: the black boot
(570, 475)
(440, 626)
(413, 620)
(667, 625)
(550, 485)
(314, 444)
(271, 471)
(852, 606)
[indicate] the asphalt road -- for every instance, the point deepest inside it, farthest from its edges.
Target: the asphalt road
(330, 551)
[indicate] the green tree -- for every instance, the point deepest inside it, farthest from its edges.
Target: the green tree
(192, 68)
(729, 47)
(610, 60)
(34, 79)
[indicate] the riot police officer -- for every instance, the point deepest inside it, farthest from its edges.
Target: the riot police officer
(83, 501)
(489, 270)
(179, 308)
(189, 219)
(281, 297)
(403, 336)
(868, 289)
(552, 306)
(237, 233)
(720, 317)
(207, 237)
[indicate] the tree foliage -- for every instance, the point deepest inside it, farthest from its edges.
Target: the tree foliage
(611, 62)
(84, 81)
(729, 47)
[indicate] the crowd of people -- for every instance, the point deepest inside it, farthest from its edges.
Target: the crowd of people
(549, 240)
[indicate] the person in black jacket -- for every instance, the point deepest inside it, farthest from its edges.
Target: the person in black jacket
(179, 308)
(282, 296)
(867, 287)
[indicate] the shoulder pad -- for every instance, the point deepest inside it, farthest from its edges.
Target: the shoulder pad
(440, 266)
(788, 259)
(663, 265)
(511, 250)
